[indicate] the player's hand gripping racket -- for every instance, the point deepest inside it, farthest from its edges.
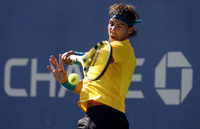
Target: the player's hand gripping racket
(96, 61)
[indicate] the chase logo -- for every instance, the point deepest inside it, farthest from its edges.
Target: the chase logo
(171, 94)
(173, 60)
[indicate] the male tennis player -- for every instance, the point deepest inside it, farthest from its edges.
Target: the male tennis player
(103, 100)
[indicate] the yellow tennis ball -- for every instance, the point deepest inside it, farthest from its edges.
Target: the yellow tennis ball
(73, 78)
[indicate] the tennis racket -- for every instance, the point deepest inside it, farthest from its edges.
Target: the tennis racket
(96, 61)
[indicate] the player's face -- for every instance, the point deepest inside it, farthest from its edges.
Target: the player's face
(118, 30)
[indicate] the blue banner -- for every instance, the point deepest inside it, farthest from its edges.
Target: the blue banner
(165, 88)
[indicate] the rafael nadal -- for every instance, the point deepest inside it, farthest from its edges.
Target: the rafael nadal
(103, 100)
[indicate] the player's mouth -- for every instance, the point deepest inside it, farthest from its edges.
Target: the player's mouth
(114, 37)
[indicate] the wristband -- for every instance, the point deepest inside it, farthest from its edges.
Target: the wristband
(69, 86)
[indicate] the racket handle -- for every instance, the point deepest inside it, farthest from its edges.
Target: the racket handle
(73, 57)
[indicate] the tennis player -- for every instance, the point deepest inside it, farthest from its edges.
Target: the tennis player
(103, 100)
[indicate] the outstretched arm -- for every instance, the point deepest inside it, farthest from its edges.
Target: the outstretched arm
(60, 74)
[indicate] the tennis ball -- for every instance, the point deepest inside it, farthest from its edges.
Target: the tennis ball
(73, 78)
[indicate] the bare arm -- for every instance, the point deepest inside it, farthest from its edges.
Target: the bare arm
(60, 74)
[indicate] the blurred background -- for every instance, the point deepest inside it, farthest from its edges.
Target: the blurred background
(164, 93)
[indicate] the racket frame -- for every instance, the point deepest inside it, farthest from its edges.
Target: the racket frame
(87, 56)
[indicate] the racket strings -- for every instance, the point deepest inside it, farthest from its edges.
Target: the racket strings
(92, 58)
(98, 61)
(95, 55)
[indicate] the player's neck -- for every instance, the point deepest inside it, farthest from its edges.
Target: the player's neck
(110, 41)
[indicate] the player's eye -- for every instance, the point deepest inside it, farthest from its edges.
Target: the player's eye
(120, 26)
(111, 24)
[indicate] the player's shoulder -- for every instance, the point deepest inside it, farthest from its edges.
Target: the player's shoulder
(124, 42)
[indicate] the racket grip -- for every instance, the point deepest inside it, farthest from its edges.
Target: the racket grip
(73, 57)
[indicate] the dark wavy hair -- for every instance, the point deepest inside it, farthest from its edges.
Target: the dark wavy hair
(130, 14)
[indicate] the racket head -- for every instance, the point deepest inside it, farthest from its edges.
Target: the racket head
(97, 61)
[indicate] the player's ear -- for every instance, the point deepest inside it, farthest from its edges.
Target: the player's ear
(131, 29)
